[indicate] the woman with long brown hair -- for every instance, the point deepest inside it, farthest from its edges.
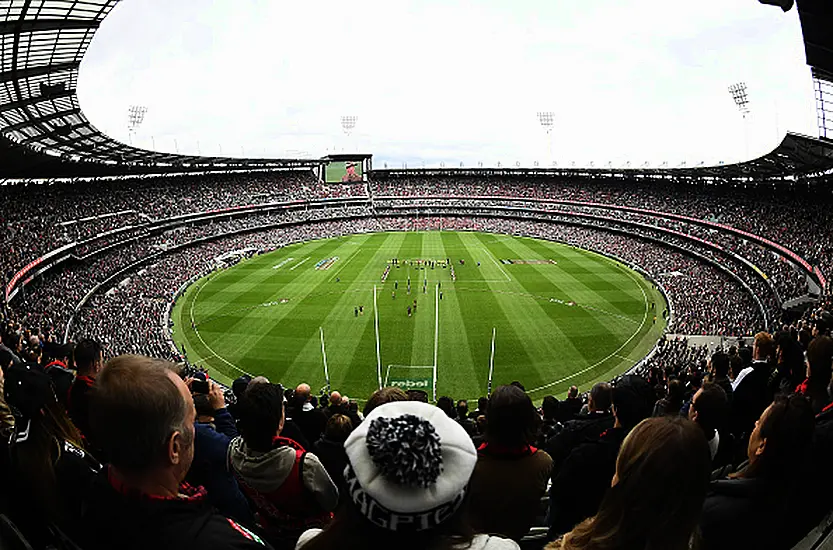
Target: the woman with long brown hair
(50, 470)
(657, 492)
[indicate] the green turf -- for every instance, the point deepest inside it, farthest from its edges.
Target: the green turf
(263, 315)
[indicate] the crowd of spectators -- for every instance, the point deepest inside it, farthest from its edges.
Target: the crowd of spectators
(698, 448)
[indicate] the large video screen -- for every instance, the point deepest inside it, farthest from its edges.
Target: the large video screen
(343, 172)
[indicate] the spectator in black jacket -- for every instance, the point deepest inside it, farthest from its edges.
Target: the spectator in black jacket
(708, 409)
(330, 450)
(311, 420)
(597, 420)
(750, 387)
(585, 475)
(89, 359)
(719, 366)
(570, 407)
(50, 470)
(144, 417)
(767, 491)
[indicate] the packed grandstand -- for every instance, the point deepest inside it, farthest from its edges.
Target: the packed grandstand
(111, 439)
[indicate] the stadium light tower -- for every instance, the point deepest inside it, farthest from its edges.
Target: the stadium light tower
(547, 121)
(135, 117)
(348, 124)
(739, 94)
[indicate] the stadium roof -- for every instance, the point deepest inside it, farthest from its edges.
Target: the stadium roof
(817, 26)
(44, 134)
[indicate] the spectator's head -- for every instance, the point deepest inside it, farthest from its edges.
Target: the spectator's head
(338, 428)
(781, 437)
(599, 397)
(573, 392)
(396, 496)
(633, 400)
(763, 348)
(446, 405)
(462, 409)
(820, 360)
(89, 357)
(822, 324)
(790, 357)
(238, 387)
(708, 408)
(260, 415)
(662, 474)
(382, 396)
(417, 395)
(676, 393)
(517, 385)
(303, 393)
(335, 399)
(719, 364)
(52, 351)
(549, 407)
(512, 418)
(482, 404)
(142, 416)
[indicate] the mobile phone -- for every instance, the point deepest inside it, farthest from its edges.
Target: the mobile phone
(200, 386)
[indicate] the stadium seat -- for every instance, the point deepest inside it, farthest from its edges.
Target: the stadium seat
(820, 538)
(10, 536)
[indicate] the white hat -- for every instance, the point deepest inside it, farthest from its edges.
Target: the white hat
(409, 466)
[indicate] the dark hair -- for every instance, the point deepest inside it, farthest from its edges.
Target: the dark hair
(338, 427)
(787, 426)
(462, 409)
(663, 472)
(382, 396)
(259, 413)
(600, 394)
(549, 407)
(790, 358)
(482, 404)
(512, 417)
(417, 395)
(351, 529)
(632, 401)
(135, 407)
(820, 360)
(711, 405)
(446, 405)
(86, 353)
(720, 363)
(203, 404)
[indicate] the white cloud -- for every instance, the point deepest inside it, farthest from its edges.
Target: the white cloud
(453, 80)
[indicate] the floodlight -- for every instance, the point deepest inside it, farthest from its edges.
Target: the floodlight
(348, 123)
(738, 92)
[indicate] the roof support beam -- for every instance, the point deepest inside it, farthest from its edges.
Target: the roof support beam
(39, 25)
(38, 71)
(38, 120)
(34, 100)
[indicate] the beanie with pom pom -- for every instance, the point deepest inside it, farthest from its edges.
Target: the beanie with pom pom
(409, 466)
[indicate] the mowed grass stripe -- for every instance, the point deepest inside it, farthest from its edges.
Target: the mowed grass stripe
(483, 309)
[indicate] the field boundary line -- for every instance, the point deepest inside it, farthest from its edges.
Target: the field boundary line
(614, 354)
(197, 332)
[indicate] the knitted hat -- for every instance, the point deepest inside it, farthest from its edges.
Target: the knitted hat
(409, 466)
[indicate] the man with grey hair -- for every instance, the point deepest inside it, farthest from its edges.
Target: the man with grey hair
(143, 417)
(310, 420)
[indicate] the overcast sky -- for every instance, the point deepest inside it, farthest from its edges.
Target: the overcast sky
(451, 80)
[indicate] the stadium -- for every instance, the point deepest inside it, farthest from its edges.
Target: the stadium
(664, 327)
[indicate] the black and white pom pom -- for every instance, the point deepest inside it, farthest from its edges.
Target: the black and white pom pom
(406, 449)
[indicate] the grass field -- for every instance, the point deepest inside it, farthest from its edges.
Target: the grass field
(564, 317)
